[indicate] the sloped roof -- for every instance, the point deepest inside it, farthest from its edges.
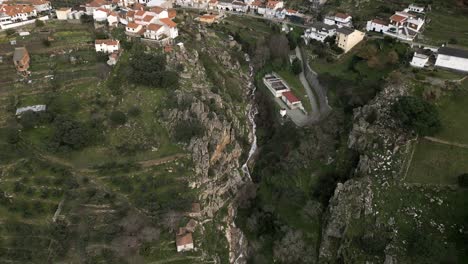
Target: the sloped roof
(110, 42)
(168, 22)
(290, 97)
(19, 53)
(154, 27)
(182, 240)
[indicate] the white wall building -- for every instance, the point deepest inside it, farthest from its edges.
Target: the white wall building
(107, 45)
(419, 60)
(62, 13)
(416, 8)
(451, 58)
(339, 19)
(319, 31)
(276, 86)
(377, 25)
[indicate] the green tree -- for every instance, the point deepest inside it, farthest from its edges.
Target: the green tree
(39, 23)
(12, 135)
(69, 134)
(118, 118)
(463, 180)
(416, 114)
(296, 66)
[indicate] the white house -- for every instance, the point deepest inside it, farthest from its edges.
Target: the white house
(416, 8)
(18, 12)
(170, 27)
(161, 3)
(107, 45)
(62, 13)
(291, 100)
(154, 31)
(159, 12)
(451, 58)
(184, 242)
(133, 28)
(224, 5)
(5, 19)
(41, 5)
(276, 86)
(377, 25)
(100, 14)
(113, 19)
(319, 31)
(339, 19)
(419, 60)
(239, 6)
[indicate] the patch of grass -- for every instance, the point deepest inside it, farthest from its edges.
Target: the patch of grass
(446, 25)
(453, 117)
(435, 163)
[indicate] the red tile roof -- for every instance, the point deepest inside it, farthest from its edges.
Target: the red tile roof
(290, 97)
(132, 25)
(172, 13)
(148, 18)
(380, 22)
(157, 9)
(182, 240)
(397, 18)
(107, 42)
(168, 22)
(154, 27)
(342, 15)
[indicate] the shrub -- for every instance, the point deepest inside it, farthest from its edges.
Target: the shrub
(118, 118)
(185, 130)
(10, 31)
(296, 66)
(463, 180)
(12, 135)
(134, 111)
(39, 23)
(46, 42)
(416, 114)
(69, 134)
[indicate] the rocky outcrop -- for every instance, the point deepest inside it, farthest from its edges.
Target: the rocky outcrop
(217, 151)
(379, 141)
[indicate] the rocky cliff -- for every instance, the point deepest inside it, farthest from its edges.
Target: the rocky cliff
(220, 149)
(351, 215)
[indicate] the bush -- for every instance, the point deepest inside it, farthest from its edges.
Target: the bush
(150, 70)
(463, 180)
(118, 118)
(416, 114)
(453, 41)
(134, 111)
(46, 42)
(10, 31)
(12, 135)
(30, 119)
(39, 23)
(296, 66)
(185, 130)
(69, 134)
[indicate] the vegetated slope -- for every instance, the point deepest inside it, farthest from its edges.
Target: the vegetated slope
(108, 173)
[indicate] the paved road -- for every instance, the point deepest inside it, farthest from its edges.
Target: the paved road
(314, 89)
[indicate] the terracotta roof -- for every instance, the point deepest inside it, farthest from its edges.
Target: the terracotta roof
(182, 240)
(206, 16)
(104, 10)
(96, 3)
(168, 49)
(342, 15)
(38, 2)
(397, 18)
(256, 3)
(13, 10)
(138, 6)
(140, 13)
(168, 22)
(154, 27)
(213, 1)
(130, 13)
(111, 42)
(64, 9)
(380, 22)
(132, 25)
(157, 9)
(291, 11)
(290, 97)
(172, 13)
(148, 18)
(272, 4)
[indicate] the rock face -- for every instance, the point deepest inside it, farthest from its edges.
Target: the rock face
(217, 153)
(376, 136)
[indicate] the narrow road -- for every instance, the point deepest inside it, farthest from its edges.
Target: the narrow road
(309, 79)
(315, 114)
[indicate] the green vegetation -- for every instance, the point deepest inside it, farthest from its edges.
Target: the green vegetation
(297, 87)
(454, 120)
(150, 70)
(417, 115)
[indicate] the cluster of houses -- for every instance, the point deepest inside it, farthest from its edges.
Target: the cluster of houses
(268, 9)
(281, 90)
(184, 239)
(146, 19)
(404, 25)
(340, 26)
(15, 12)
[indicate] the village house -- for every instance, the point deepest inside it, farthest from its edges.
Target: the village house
(184, 240)
(272, 7)
(100, 14)
(154, 31)
(107, 45)
(95, 4)
(339, 19)
(171, 27)
(62, 13)
(224, 5)
(17, 13)
(319, 31)
(39, 5)
(207, 18)
(377, 25)
(160, 3)
(291, 100)
(21, 59)
(134, 29)
(213, 4)
(402, 25)
(113, 19)
(347, 38)
(239, 6)
(415, 8)
(450, 58)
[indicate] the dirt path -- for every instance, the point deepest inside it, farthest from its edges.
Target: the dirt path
(156, 162)
(441, 141)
